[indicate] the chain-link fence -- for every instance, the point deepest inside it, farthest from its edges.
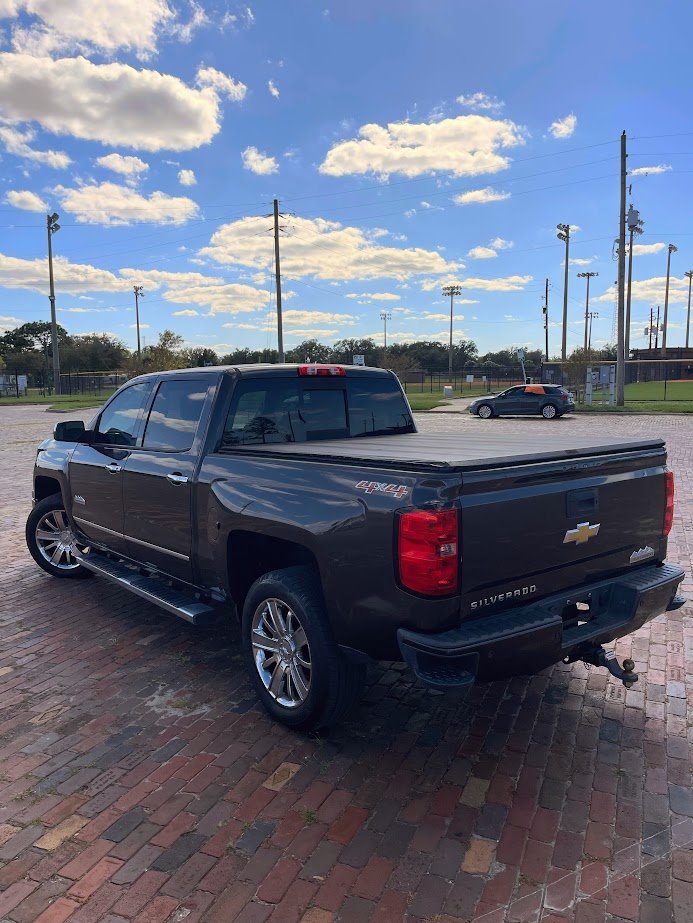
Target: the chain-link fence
(35, 385)
(646, 380)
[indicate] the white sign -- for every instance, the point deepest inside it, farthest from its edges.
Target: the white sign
(470, 378)
(358, 360)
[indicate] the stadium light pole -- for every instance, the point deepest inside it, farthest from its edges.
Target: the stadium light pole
(588, 276)
(385, 316)
(564, 235)
(593, 314)
(138, 294)
(451, 290)
(689, 276)
(53, 228)
(670, 249)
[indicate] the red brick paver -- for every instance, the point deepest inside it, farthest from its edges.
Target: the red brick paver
(135, 764)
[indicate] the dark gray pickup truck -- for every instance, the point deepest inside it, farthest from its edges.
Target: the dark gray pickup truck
(302, 499)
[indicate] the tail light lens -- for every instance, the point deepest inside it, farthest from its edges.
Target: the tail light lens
(427, 551)
(668, 502)
(564, 397)
(321, 371)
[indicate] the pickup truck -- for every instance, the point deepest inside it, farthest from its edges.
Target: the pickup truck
(301, 500)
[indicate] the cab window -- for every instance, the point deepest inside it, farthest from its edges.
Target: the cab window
(119, 421)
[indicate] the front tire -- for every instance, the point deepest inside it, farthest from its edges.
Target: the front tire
(51, 541)
(485, 411)
(301, 677)
(549, 412)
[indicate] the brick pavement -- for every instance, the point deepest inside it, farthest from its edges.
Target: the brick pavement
(138, 781)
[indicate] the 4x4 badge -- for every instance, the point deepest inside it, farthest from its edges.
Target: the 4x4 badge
(583, 533)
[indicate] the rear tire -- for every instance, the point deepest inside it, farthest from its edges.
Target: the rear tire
(549, 412)
(485, 411)
(299, 672)
(51, 542)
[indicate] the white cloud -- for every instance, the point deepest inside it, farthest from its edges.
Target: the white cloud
(579, 261)
(26, 200)
(7, 322)
(111, 204)
(480, 196)
(646, 249)
(647, 171)
(374, 296)
(126, 166)
(272, 87)
(313, 332)
(198, 18)
(442, 317)
(498, 243)
(464, 146)
(111, 103)
(563, 128)
(481, 101)
(15, 141)
(85, 25)
(88, 310)
(482, 253)
(257, 162)
(154, 278)
(186, 312)
(231, 298)
(652, 290)
(213, 79)
(187, 178)
(296, 318)
(322, 249)
(502, 284)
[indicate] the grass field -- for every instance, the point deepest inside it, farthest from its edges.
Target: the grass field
(640, 407)
(654, 391)
(58, 402)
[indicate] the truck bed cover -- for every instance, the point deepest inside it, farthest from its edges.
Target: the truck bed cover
(453, 452)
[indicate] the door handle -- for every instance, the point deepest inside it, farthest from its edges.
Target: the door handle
(177, 478)
(113, 467)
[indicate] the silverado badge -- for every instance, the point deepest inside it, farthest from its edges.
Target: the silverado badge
(583, 533)
(642, 554)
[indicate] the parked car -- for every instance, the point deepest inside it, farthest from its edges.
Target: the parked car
(301, 500)
(551, 401)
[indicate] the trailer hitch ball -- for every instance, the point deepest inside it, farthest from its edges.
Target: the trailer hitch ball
(601, 658)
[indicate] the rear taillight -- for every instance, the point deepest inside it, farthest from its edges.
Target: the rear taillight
(324, 371)
(564, 397)
(668, 501)
(427, 551)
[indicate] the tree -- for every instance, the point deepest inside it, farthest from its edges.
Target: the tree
(345, 350)
(32, 336)
(93, 352)
(199, 356)
(309, 351)
(165, 355)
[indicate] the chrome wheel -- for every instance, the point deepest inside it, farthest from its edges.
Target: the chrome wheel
(56, 541)
(548, 412)
(281, 652)
(484, 411)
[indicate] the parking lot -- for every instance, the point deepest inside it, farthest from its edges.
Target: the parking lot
(139, 781)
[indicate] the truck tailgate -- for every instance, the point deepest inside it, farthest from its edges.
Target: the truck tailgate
(534, 530)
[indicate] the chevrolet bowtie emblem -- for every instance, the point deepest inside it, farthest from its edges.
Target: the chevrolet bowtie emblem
(583, 533)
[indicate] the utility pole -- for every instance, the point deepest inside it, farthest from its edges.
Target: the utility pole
(689, 275)
(564, 235)
(589, 339)
(588, 276)
(53, 227)
(139, 293)
(620, 315)
(451, 290)
(657, 331)
(545, 310)
(385, 316)
(649, 330)
(670, 249)
(278, 279)
(635, 226)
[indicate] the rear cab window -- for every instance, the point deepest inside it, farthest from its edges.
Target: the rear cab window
(268, 410)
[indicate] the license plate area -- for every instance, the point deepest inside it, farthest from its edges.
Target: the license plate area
(578, 612)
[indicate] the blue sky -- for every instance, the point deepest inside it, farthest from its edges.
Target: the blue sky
(411, 144)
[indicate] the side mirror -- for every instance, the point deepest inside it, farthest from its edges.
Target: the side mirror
(69, 431)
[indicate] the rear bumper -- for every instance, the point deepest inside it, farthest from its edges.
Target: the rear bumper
(527, 639)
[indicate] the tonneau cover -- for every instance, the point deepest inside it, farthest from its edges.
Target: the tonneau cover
(454, 452)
